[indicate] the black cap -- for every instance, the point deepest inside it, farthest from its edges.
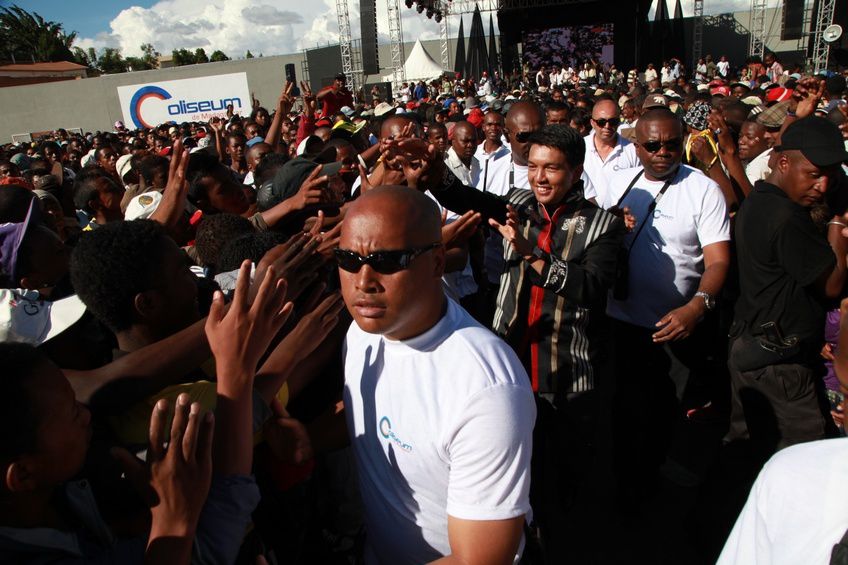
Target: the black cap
(818, 139)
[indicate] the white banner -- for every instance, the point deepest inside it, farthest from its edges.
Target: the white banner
(186, 100)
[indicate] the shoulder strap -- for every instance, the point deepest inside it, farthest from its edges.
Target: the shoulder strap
(629, 188)
(651, 208)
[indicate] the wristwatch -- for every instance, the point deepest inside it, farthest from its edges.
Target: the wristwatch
(709, 300)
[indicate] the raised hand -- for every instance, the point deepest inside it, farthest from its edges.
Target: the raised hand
(511, 232)
(419, 161)
(311, 191)
(460, 230)
(718, 125)
(807, 94)
(175, 479)
(169, 212)
(238, 337)
(702, 149)
(296, 261)
(285, 102)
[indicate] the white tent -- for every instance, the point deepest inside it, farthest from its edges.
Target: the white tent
(419, 65)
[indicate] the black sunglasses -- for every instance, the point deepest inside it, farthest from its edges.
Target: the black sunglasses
(654, 146)
(602, 122)
(384, 262)
(523, 136)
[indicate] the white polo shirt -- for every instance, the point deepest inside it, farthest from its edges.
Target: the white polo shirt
(599, 171)
(667, 258)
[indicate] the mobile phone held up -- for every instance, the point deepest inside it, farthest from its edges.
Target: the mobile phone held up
(291, 77)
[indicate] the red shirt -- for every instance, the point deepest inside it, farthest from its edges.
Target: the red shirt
(333, 102)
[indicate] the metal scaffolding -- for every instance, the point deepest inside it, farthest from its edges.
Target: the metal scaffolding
(757, 43)
(821, 49)
(444, 41)
(345, 44)
(697, 32)
(396, 44)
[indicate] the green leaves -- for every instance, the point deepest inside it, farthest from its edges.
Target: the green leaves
(29, 37)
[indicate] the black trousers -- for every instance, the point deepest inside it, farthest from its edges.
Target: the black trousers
(778, 406)
(648, 417)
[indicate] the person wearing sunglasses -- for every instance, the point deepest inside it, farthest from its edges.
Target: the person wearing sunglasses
(560, 262)
(677, 257)
(606, 151)
(439, 410)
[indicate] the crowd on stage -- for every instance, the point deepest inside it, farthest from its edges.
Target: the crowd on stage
(568, 315)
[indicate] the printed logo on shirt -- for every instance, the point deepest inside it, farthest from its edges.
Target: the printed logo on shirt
(386, 431)
(659, 214)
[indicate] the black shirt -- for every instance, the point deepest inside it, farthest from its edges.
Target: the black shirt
(780, 255)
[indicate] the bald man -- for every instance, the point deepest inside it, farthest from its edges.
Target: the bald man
(460, 157)
(606, 151)
(439, 410)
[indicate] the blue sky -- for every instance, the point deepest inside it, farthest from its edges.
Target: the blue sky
(85, 17)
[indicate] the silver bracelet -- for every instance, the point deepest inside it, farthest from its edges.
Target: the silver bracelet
(837, 223)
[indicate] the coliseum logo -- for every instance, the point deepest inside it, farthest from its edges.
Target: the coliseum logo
(386, 432)
(177, 108)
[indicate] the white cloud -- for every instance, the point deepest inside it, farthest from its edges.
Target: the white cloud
(233, 26)
(270, 27)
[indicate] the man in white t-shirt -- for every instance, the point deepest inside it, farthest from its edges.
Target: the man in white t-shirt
(439, 410)
(650, 73)
(679, 252)
(606, 151)
(723, 66)
(796, 511)
(754, 151)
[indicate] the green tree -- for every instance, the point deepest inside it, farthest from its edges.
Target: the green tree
(150, 56)
(183, 57)
(200, 55)
(249, 55)
(111, 61)
(81, 57)
(29, 36)
(217, 56)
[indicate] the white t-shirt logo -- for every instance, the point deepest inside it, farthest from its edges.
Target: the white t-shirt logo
(386, 431)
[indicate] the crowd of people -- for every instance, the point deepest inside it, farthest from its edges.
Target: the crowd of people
(504, 320)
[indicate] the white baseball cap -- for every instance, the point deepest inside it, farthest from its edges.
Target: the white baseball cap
(25, 318)
(142, 206)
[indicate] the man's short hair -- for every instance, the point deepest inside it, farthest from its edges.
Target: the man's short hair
(563, 138)
(251, 246)
(268, 167)
(580, 116)
(200, 165)
(214, 232)
(114, 263)
(85, 187)
(149, 164)
(554, 106)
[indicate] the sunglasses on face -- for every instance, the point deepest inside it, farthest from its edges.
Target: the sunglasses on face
(523, 136)
(384, 262)
(602, 122)
(654, 146)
